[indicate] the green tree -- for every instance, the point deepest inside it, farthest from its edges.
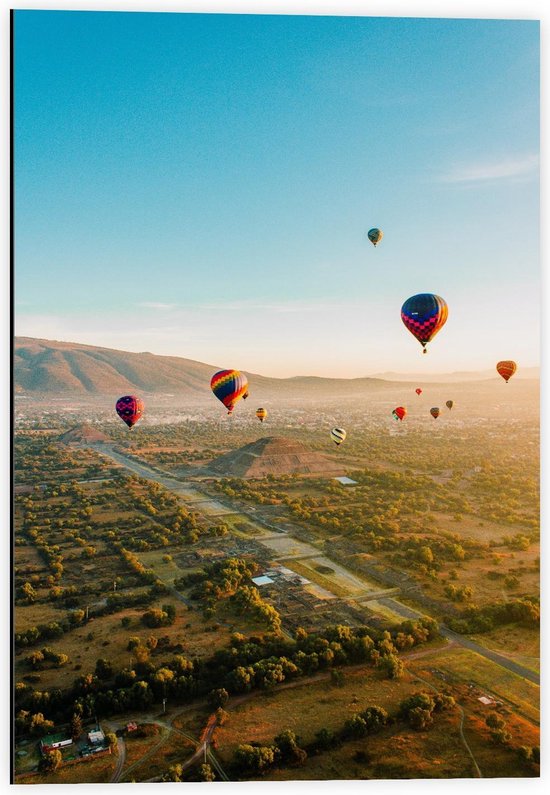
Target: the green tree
(51, 760)
(205, 773)
(76, 726)
(217, 698)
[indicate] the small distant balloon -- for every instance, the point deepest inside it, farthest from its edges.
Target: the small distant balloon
(399, 413)
(418, 391)
(424, 315)
(130, 409)
(506, 369)
(338, 435)
(229, 386)
(261, 414)
(435, 412)
(375, 236)
(449, 404)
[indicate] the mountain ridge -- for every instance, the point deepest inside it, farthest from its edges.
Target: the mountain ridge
(57, 367)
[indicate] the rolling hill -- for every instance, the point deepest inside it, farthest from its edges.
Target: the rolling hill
(46, 367)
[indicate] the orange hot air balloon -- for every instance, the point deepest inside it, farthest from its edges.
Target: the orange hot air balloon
(418, 391)
(506, 369)
(399, 413)
(435, 412)
(261, 414)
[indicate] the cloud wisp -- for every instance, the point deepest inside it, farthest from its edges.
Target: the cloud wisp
(489, 171)
(156, 305)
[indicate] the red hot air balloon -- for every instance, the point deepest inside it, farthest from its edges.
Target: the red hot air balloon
(435, 412)
(229, 386)
(506, 369)
(399, 413)
(424, 315)
(418, 391)
(129, 408)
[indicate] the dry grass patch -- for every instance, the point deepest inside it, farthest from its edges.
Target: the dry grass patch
(306, 708)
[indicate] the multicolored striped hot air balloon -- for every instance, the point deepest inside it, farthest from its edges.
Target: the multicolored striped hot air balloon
(261, 414)
(375, 236)
(506, 369)
(435, 412)
(424, 315)
(338, 435)
(130, 409)
(229, 386)
(399, 413)
(449, 404)
(418, 391)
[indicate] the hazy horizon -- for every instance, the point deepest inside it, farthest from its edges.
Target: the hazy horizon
(201, 185)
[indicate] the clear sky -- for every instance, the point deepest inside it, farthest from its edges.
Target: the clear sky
(202, 186)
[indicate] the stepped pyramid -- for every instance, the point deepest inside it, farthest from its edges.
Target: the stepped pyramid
(83, 433)
(274, 455)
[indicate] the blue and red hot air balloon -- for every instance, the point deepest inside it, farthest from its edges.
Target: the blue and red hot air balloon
(424, 315)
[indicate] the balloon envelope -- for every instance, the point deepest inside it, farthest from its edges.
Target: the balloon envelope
(261, 414)
(418, 391)
(506, 369)
(229, 386)
(449, 404)
(434, 412)
(424, 315)
(338, 435)
(129, 408)
(375, 236)
(399, 412)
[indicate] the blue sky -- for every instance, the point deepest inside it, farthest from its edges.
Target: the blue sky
(202, 186)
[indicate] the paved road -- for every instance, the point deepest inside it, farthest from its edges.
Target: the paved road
(143, 470)
(461, 640)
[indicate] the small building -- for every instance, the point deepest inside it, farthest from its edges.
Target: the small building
(96, 736)
(487, 701)
(52, 741)
(262, 580)
(346, 481)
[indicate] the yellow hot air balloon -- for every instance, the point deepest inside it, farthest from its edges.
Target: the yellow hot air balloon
(261, 414)
(338, 435)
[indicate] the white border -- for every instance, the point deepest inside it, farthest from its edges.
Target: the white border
(486, 9)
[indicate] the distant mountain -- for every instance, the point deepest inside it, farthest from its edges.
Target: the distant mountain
(447, 378)
(44, 367)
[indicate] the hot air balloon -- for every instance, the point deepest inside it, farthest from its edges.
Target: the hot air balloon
(338, 435)
(449, 404)
(418, 391)
(261, 414)
(399, 413)
(229, 386)
(423, 315)
(375, 236)
(506, 369)
(129, 408)
(435, 412)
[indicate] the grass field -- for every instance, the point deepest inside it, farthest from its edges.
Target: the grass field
(307, 708)
(92, 771)
(520, 644)
(110, 641)
(463, 666)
